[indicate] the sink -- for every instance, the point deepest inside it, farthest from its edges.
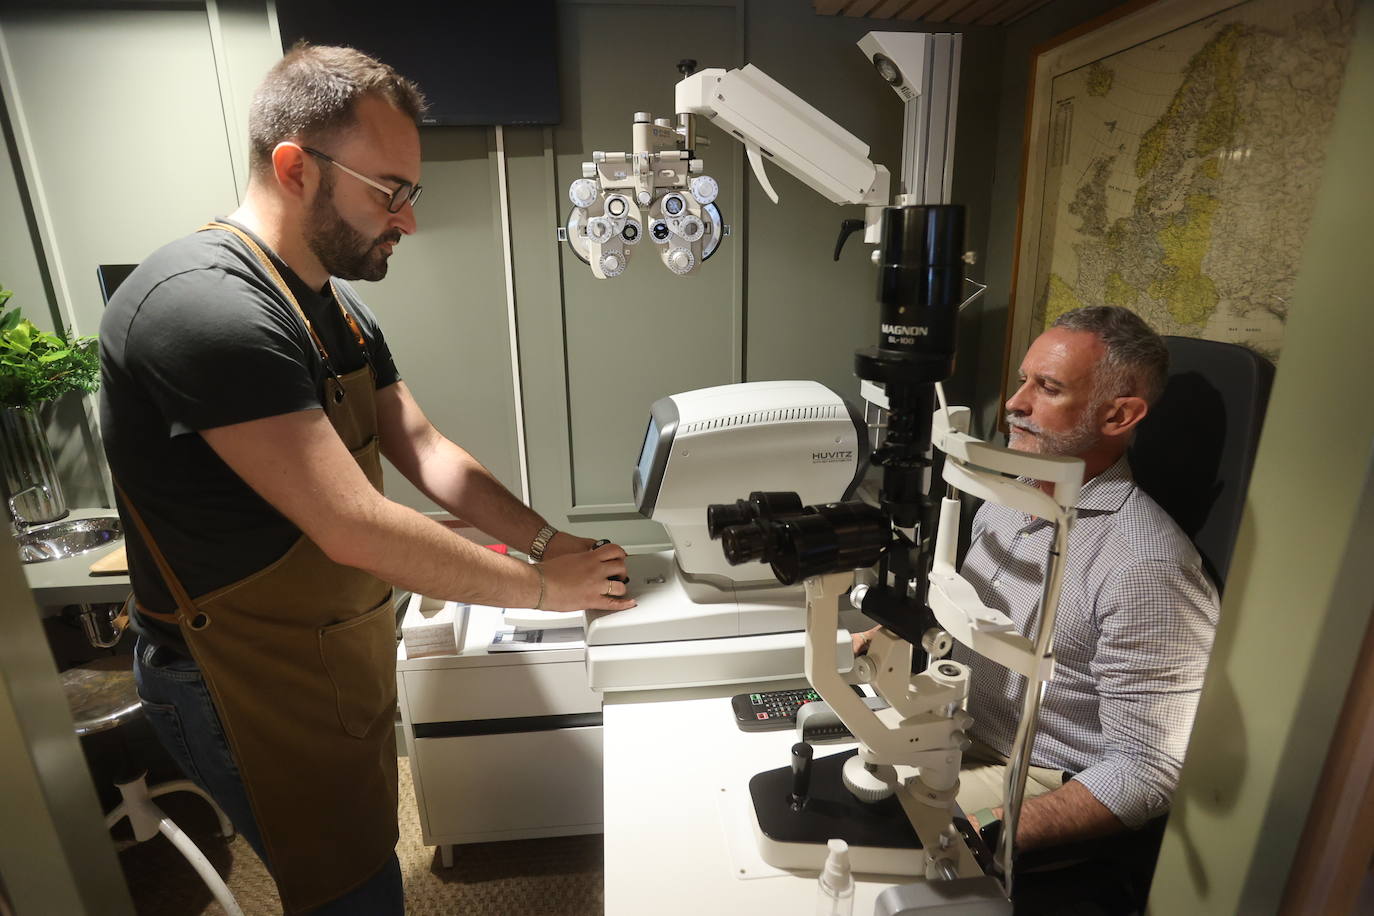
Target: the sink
(68, 538)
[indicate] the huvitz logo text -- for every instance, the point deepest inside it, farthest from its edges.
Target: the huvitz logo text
(832, 457)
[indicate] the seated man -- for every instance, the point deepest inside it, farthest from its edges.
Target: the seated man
(1137, 613)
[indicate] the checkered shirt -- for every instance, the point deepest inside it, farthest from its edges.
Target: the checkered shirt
(1134, 629)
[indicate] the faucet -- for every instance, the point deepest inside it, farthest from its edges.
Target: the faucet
(19, 522)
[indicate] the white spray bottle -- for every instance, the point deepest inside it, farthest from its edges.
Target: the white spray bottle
(835, 888)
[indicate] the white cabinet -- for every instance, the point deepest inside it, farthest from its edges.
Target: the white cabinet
(502, 745)
(510, 786)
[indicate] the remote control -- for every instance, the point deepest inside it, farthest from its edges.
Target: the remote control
(771, 710)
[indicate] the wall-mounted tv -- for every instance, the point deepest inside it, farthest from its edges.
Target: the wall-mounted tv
(487, 62)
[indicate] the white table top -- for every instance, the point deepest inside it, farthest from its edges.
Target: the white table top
(59, 582)
(676, 785)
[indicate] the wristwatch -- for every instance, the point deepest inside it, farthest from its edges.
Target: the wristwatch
(541, 542)
(989, 826)
(985, 817)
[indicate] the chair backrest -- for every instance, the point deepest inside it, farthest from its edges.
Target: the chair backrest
(1194, 451)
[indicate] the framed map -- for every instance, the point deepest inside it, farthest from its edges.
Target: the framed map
(1172, 162)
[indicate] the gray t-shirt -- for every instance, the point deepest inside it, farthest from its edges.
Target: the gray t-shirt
(199, 337)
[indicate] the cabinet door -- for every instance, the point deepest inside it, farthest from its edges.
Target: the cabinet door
(505, 787)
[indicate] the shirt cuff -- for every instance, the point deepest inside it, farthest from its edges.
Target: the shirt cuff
(1130, 791)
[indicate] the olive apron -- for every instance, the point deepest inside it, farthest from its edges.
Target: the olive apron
(300, 658)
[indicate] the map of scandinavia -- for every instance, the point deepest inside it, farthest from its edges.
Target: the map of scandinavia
(1182, 172)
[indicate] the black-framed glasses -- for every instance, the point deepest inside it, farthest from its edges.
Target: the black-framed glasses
(399, 197)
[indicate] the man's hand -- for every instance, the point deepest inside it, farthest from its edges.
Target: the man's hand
(562, 544)
(580, 580)
(860, 641)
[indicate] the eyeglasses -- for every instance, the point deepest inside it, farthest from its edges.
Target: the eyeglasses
(399, 197)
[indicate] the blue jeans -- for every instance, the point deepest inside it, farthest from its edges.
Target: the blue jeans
(178, 706)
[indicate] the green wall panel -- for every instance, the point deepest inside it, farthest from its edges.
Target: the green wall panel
(443, 307)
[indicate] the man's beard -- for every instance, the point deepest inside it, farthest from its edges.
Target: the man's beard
(1076, 441)
(341, 249)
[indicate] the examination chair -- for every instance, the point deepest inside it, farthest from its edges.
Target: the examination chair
(1193, 454)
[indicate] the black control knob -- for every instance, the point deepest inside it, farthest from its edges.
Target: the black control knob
(801, 773)
(602, 542)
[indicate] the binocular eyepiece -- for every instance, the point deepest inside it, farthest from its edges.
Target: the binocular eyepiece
(798, 541)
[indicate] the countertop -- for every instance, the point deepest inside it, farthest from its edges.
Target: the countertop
(676, 792)
(61, 582)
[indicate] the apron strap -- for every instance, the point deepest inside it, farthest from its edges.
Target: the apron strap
(271, 268)
(186, 608)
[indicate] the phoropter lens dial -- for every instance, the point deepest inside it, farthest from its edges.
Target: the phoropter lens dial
(582, 192)
(705, 189)
(600, 229)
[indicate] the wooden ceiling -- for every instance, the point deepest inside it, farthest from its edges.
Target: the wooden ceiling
(936, 12)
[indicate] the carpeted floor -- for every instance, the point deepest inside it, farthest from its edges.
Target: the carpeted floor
(560, 876)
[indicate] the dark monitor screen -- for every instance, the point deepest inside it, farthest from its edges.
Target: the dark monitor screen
(477, 63)
(110, 276)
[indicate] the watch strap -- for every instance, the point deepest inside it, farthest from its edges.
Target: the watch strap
(541, 542)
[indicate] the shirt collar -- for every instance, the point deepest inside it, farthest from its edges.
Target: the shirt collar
(1105, 493)
(1108, 491)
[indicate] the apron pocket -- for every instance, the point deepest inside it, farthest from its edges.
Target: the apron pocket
(360, 656)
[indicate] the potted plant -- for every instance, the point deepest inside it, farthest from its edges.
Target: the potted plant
(36, 367)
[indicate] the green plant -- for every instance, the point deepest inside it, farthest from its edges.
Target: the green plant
(36, 367)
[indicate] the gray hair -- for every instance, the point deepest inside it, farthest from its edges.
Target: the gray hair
(1136, 362)
(312, 93)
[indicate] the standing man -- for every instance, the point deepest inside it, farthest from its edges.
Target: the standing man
(1136, 615)
(248, 397)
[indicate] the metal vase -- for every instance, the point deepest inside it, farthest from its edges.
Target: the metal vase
(27, 465)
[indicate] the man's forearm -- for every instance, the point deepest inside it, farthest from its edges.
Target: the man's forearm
(403, 547)
(459, 483)
(298, 464)
(1068, 814)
